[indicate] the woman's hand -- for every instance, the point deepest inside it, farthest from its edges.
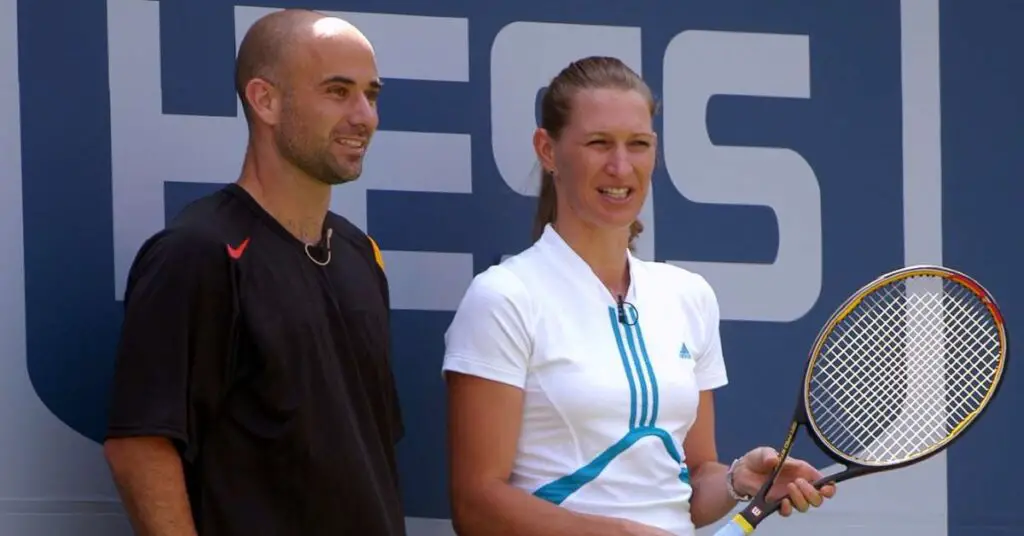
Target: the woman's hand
(793, 481)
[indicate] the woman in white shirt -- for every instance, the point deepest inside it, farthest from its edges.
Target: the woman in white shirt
(579, 377)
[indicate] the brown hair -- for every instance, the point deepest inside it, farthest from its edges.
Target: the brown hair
(594, 72)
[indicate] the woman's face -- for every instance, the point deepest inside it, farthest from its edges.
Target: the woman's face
(603, 159)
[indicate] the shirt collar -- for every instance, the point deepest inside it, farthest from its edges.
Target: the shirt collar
(552, 244)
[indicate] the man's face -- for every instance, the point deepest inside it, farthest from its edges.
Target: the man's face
(329, 106)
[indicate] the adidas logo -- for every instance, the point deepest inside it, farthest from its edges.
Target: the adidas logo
(684, 352)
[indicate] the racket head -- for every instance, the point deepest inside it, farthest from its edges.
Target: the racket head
(903, 368)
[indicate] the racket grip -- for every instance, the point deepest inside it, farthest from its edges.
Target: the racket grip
(737, 527)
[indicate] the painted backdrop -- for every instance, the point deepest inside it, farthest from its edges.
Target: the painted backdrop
(807, 147)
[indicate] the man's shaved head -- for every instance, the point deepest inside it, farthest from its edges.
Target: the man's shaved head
(274, 39)
(309, 86)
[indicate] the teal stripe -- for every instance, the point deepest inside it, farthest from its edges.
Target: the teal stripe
(650, 371)
(625, 364)
(640, 374)
(560, 490)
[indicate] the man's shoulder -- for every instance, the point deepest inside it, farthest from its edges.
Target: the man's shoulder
(188, 257)
(208, 225)
(203, 234)
(213, 214)
(362, 241)
(180, 246)
(345, 228)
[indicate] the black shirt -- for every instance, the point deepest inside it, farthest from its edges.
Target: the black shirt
(270, 372)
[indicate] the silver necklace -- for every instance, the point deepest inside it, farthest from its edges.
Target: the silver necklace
(312, 258)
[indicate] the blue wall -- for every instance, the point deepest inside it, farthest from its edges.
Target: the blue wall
(849, 129)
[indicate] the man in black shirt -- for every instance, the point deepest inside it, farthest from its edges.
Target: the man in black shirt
(253, 393)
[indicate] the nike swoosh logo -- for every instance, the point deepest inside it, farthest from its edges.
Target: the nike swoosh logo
(236, 252)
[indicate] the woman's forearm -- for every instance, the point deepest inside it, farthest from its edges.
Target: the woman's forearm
(498, 509)
(710, 501)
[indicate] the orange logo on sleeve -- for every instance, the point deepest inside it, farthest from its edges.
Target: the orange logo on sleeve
(376, 253)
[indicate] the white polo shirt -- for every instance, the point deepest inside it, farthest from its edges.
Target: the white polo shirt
(607, 404)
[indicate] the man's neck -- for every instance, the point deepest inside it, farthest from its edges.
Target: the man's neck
(298, 202)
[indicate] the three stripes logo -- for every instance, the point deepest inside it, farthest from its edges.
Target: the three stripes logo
(684, 352)
(643, 411)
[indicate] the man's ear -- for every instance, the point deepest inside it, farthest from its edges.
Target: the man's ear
(264, 100)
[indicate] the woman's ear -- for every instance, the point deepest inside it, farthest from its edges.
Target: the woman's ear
(544, 146)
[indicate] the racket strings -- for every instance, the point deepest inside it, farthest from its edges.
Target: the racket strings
(975, 336)
(897, 375)
(849, 415)
(927, 418)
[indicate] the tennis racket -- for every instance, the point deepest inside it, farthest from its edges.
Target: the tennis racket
(900, 370)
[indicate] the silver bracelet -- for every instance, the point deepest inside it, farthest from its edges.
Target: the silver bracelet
(729, 486)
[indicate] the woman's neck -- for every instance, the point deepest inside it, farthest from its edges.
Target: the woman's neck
(604, 251)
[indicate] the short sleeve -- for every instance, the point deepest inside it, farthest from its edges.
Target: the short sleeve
(489, 335)
(175, 340)
(709, 367)
(395, 409)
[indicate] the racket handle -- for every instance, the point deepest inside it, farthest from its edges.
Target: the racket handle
(737, 527)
